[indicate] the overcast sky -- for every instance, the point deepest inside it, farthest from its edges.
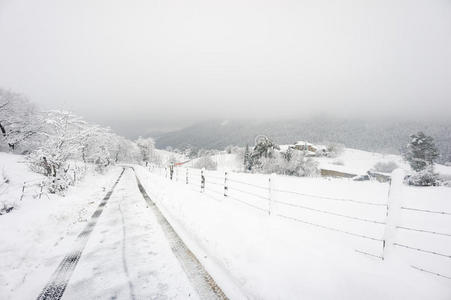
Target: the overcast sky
(170, 62)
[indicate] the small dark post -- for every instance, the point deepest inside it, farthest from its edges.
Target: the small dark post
(23, 191)
(202, 181)
(42, 187)
(226, 188)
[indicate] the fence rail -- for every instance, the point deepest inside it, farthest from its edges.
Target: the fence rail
(231, 186)
(423, 230)
(331, 198)
(247, 203)
(249, 184)
(426, 210)
(332, 228)
(329, 212)
(430, 272)
(422, 250)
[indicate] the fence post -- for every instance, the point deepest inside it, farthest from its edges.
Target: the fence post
(187, 176)
(202, 181)
(393, 213)
(226, 188)
(42, 187)
(23, 191)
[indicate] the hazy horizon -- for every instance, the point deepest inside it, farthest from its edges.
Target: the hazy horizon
(169, 64)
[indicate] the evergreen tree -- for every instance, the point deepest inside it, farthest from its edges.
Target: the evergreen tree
(246, 158)
(264, 148)
(421, 152)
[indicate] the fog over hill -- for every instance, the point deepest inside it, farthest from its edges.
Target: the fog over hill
(380, 136)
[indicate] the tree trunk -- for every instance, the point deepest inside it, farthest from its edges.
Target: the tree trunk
(3, 130)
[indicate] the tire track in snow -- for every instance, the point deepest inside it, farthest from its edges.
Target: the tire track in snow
(204, 284)
(124, 261)
(55, 288)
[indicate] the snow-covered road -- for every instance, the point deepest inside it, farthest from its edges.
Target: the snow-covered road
(130, 255)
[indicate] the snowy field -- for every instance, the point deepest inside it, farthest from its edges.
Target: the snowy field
(314, 236)
(39, 231)
(283, 238)
(350, 161)
(126, 256)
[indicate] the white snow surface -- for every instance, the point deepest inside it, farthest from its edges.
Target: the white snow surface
(38, 232)
(249, 253)
(254, 255)
(352, 161)
(127, 255)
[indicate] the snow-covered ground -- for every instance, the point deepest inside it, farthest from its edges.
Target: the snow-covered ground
(358, 161)
(35, 234)
(352, 161)
(126, 254)
(308, 246)
(284, 238)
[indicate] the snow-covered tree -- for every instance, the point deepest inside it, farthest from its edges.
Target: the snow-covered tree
(205, 162)
(63, 133)
(123, 150)
(425, 177)
(246, 159)
(19, 120)
(147, 148)
(94, 137)
(292, 162)
(264, 148)
(421, 152)
(101, 159)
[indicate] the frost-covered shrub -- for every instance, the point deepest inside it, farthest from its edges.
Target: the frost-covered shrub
(6, 207)
(44, 162)
(76, 172)
(424, 177)
(101, 159)
(308, 168)
(291, 163)
(228, 149)
(205, 162)
(385, 167)
(270, 165)
(57, 184)
(335, 149)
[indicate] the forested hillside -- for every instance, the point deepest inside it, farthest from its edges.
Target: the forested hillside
(380, 136)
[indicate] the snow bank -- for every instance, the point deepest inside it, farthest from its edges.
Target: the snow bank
(40, 231)
(252, 254)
